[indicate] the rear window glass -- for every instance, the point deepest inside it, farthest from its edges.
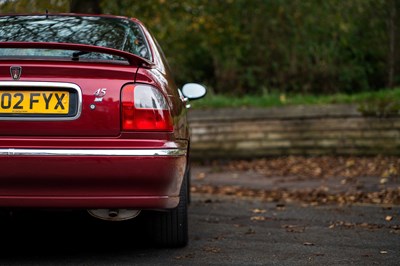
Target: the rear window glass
(116, 33)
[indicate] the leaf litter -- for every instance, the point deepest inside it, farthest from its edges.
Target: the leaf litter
(351, 172)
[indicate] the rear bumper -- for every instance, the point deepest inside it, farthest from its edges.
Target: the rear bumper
(92, 152)
(92, 178)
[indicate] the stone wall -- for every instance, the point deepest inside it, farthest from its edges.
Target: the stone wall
(297, 130)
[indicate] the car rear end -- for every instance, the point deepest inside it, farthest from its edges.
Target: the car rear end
(87, 125)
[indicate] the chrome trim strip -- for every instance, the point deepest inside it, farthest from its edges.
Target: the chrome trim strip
(57, 85)
(92, 152)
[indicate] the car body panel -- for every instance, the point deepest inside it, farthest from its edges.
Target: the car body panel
(126, 177)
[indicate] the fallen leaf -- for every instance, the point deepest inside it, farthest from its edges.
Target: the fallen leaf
(201, 176)
(388, 218)
(258, 211)
(350, 163)
(212, 249)
(294, 228)
(238, 225)
(258, 218)
(383, 180)
(364, 225)
(376, 200)
(308, 244)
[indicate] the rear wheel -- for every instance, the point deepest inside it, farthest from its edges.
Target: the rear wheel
(170, 228)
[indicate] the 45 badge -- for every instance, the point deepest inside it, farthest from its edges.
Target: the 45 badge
(100, 93)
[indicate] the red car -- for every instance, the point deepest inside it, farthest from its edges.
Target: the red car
(90, 118)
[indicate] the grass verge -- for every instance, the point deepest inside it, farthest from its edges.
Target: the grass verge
(372, 100)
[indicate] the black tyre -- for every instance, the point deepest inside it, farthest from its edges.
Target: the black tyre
(170, 228)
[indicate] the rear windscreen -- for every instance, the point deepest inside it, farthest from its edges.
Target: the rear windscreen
(116, 33)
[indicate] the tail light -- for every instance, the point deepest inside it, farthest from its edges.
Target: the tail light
(144, 108)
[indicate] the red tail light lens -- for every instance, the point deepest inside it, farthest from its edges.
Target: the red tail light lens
(144, 108)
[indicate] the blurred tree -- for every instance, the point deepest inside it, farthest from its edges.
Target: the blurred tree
(85, 7)
(240, 46)
(25, 6)
(392, 41)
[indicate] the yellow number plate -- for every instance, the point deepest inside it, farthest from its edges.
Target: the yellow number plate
(34, 102)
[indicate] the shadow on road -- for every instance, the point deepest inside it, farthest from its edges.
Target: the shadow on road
(69, 234)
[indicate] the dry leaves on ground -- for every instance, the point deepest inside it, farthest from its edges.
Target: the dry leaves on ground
(314, 196)
(322, 166)
(348, 169)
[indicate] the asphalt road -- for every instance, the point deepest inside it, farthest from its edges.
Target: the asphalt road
(224, 230)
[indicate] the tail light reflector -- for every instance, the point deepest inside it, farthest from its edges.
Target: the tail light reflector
(144, 108)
